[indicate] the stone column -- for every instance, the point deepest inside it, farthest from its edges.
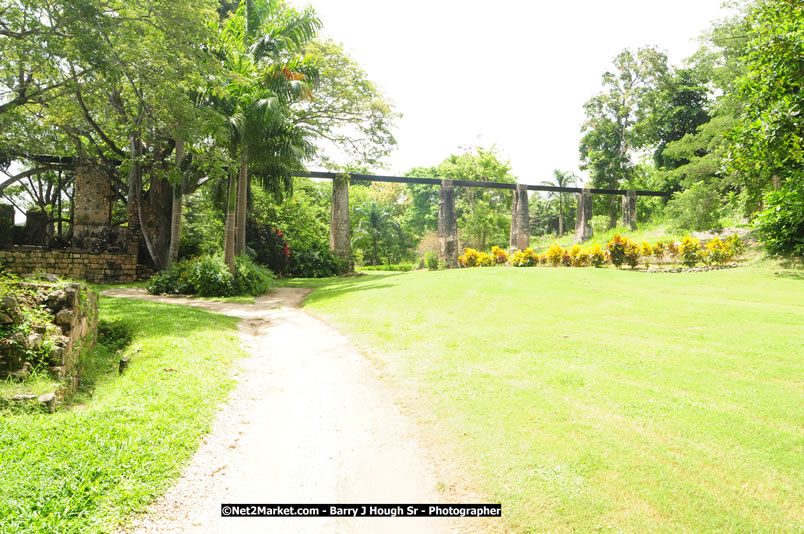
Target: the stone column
(629, 209)
(92, 210)
(520, 224)
(339, 226)
(583, 228)
(6, 225)
(447, 225)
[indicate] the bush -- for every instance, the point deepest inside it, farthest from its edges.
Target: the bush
(500, 256)
(632, 253)
(580, 257)
(690, 251)
(735, 245)
(616, 250)
(431, 260)
(316, 262)
(596, 256)
(208, 276)
(251, 278)
(525, 258)
(698, 208)
(717, 252)
(554, 254)
(269, 245)
(781, 224)
(658, 250)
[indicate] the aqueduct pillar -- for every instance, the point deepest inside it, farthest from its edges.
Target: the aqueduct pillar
(339, 227)
(629, 209)
(520, 224)
(583, 228)
(447, 225)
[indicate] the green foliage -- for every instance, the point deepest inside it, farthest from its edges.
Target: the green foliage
(690, 251)
(316, 262)
(768, 140)
(600, 223)
(86, 470)
(251, 278)
(269, 246)
(632, 252)
(403, 267)
(698, 208)
(781, 224)
(616, 250)
(718, 252)
(30, 316)
(208, 276)
(431, 260)
(596, 256)
(525, 258)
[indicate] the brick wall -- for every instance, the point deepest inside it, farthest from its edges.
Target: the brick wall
(73, 264)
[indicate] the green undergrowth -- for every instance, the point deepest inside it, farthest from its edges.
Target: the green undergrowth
(126, 437)
(590, 400)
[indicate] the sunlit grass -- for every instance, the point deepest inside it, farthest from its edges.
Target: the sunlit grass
(596, 399)
(83, 469)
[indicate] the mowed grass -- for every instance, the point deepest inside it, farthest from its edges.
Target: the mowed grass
(86, 468)
(601, 400)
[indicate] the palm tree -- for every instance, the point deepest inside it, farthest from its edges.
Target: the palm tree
(560, 179)
(376, 224)
(262, 44)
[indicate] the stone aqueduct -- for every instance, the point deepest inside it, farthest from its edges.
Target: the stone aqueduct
(102, 252)
(339, 236)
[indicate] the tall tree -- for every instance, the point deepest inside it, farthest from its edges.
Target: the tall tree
(263, 41)
(619, 119)
(561, 179)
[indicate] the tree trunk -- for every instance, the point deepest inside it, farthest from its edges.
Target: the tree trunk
(135, 180)
(229, 237)
(175, 217)
(612, 211)
(242, 198)
(374, 255)
(560, 219)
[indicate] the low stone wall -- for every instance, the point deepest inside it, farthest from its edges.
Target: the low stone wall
(71, 263)
(74, 312)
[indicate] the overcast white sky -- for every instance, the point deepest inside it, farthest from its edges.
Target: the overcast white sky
(511, 73)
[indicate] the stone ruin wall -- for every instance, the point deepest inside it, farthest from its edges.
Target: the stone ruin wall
(74, 308)
(100, 252)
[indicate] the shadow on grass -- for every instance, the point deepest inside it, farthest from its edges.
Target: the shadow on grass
(327, 288)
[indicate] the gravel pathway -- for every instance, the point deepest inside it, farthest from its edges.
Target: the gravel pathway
(309, 422)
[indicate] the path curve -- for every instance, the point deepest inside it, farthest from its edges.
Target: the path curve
(308, 422)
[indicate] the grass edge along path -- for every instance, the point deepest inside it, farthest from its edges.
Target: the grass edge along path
(600, 399)
(85, 469)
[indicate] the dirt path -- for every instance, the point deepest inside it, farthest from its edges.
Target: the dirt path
(309, 422)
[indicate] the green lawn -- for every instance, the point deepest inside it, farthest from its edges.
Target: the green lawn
(83, 469)
(596, 399)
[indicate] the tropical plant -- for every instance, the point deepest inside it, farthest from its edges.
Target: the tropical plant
(375, 226)
(561, 179)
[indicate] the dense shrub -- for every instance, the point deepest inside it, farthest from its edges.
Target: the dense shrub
(616, 250)
(690, 251)
(596, 256)
(316, 262)
(208, 276)
(554, 254)
(781, 224)
(658, 250)
(525, 258)
(717, 252)
(269, 245)
(500, 256)
(632, 253)
(251, 278)
(697, 208)
(431, 260)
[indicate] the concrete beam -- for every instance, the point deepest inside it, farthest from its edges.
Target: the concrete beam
(339, 225)
(583, 226)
